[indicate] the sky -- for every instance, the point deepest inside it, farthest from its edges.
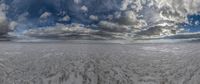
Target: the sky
(194, 23)
(116, 18)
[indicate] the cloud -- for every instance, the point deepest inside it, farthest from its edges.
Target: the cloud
(60, 31)
(118, 16)
(113, 27)
(4, 24)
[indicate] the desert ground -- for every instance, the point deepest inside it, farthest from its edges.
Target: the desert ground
(99, 63)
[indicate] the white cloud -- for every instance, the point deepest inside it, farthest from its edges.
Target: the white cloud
(65, 18)
(4, 25)
(45, 15)
(84, 8)
(94, 18)
(196, 23)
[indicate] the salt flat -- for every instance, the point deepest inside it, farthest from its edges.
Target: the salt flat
(99, 63)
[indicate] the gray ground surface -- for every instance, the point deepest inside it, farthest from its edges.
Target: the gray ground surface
(90, 63)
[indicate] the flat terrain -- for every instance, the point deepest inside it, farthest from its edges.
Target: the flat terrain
(99, 63)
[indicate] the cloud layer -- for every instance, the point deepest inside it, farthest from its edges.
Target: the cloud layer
(124, 18)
